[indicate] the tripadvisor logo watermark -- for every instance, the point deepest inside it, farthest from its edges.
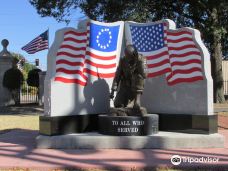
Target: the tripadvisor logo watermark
(176, 160)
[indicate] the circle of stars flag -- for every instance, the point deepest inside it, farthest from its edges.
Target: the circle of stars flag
(93, 52)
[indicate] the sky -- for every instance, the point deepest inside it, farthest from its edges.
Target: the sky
(20, 23)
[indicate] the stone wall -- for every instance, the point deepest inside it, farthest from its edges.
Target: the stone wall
(5, 64)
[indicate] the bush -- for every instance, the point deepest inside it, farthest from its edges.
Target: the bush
(33, 77)
(13, 79)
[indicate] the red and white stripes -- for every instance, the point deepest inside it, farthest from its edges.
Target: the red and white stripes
(71, 58)
(75, 60)
(185, 57)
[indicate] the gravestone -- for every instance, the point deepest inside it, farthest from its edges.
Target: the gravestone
(6, 60)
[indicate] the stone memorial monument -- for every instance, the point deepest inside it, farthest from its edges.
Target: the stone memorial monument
(171, 96)
(6, 61)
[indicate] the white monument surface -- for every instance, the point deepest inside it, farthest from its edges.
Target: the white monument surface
(82, 64)
(179, 70)
(81, 68)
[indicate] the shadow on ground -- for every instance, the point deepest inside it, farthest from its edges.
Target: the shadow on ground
(18, 149)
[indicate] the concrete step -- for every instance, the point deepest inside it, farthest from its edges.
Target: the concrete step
(162, 140)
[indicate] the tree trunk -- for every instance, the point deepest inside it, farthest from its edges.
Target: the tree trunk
(217, 61)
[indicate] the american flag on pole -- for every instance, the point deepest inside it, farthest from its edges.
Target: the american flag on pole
(37, 44)
(93, 52)
(170, 52)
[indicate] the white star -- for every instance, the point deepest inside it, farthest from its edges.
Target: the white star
(104, 46)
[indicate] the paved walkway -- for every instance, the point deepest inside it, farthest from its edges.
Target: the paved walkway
(17, 150)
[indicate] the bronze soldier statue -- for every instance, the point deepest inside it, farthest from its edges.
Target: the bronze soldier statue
(129, 84)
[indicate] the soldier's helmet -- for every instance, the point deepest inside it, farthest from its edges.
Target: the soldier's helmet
(131, 52)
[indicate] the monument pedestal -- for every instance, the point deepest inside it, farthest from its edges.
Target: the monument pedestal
(162, 140)
(196, 136)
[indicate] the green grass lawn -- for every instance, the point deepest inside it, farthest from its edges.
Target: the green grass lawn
(30, 122)
(223, 113)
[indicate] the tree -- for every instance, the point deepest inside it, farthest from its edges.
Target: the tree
(26, 66)
(13, 79)
(209, 16)
(33, 77)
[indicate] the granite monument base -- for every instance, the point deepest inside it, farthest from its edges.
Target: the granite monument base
(162, 140)
(198, 124)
